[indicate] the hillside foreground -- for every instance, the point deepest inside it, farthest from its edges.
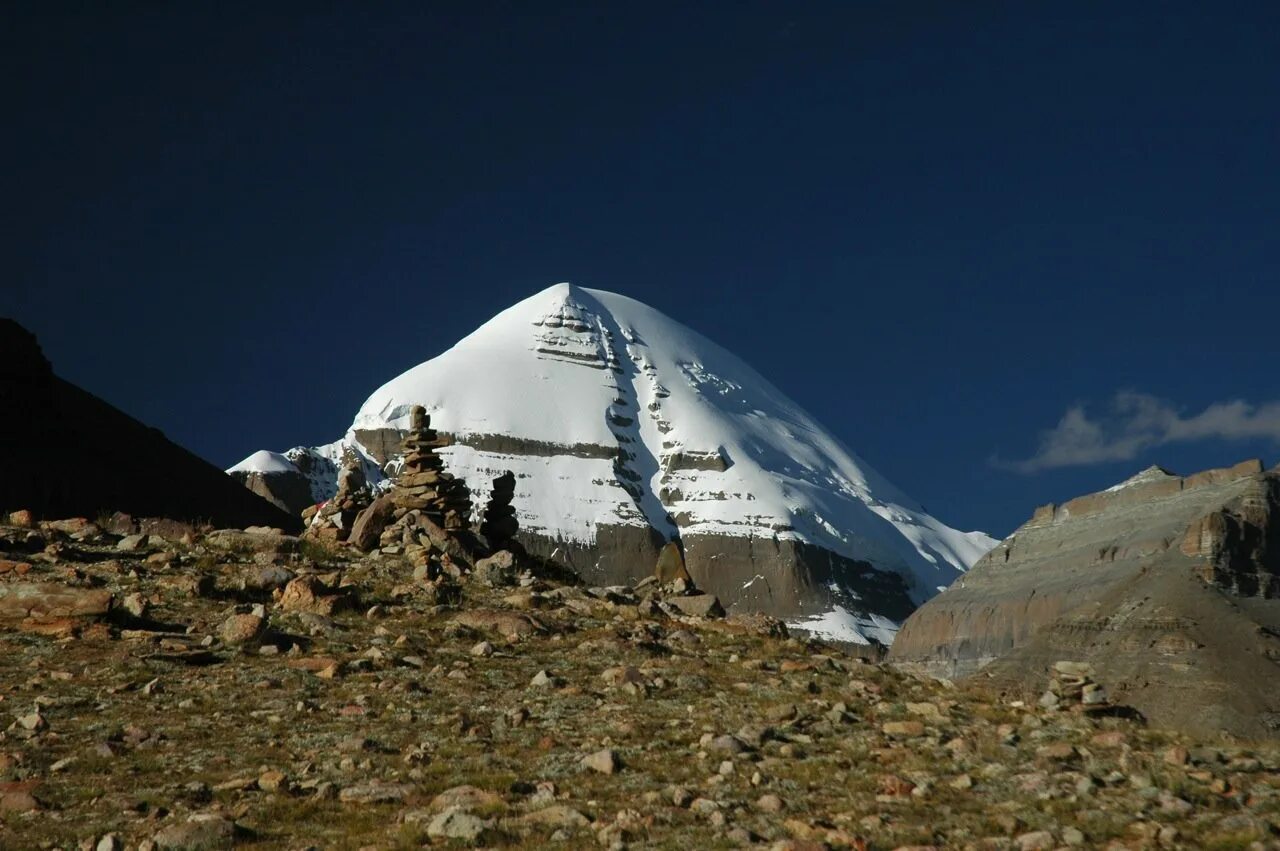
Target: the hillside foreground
(247, 689)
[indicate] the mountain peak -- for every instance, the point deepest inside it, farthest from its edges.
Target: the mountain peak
(626, 429)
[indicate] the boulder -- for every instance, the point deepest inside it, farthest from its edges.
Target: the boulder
(48, 607)
(698, 606)
(370, 523)
(245, 541)
(670, 565)
(308, 594)
(200, 832)
(496, 571)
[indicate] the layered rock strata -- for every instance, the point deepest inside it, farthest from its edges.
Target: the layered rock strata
(1168, 586)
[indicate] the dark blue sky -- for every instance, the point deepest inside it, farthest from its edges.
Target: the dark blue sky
(938, 226)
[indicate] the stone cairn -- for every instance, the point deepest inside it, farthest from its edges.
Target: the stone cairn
(333, 519)
(423, 485)
(425, 517)
(499, 525)
(1072, 687)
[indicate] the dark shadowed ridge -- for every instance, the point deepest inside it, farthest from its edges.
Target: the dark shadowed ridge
(65, 453)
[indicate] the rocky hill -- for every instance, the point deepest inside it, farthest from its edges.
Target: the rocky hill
(626, 430)
(1169, 586)
(251, 689)
(65, 452)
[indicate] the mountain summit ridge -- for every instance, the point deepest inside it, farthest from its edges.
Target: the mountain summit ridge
(626, 429)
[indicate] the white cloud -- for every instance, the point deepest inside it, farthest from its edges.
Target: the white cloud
(1135, 422)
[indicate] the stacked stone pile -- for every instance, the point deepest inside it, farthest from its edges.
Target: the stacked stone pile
(423, 485)
(499, 525)
(425, 516)
(1072, 687)
(333, 520)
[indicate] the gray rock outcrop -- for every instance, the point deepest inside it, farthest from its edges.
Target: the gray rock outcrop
(1168, 586)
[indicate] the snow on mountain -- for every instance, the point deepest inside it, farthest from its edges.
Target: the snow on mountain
(265, 461)
(613, 415)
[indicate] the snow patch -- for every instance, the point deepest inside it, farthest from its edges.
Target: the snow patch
(264, 461)
(840, 624)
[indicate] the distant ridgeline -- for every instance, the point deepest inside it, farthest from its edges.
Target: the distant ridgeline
(65, 452)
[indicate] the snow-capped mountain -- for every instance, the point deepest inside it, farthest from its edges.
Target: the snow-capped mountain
(626, 429)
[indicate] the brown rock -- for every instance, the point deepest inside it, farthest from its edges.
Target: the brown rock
(23, 519)
(670, 565)
(370, 523)
(903, 729)
(18, 797)
(243, 629)
(36, 603)
(17, 568)
(304, 594)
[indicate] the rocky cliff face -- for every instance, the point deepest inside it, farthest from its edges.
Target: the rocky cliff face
(1169, 586)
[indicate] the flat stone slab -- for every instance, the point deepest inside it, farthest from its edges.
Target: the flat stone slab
(39, 601)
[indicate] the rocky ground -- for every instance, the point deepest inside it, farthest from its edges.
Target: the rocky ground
(250, 689)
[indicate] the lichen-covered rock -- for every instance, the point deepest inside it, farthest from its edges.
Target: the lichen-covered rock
(510, 625)
(497, 570)
(200, 832)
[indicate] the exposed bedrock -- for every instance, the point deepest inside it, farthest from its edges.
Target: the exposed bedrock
(288, 491)
(1169, 586)
(781, 578)
(789, 578)
(620, 554)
